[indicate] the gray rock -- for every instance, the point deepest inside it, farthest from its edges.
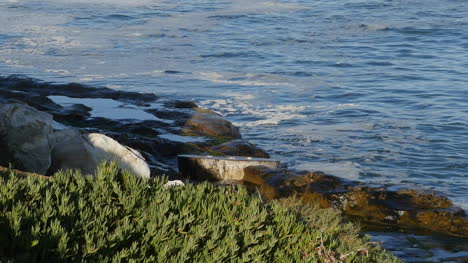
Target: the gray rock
(32, 141)
(24, 136)
(85, 151)
(173, 117)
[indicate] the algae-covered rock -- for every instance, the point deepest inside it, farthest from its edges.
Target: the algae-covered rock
(408, 209)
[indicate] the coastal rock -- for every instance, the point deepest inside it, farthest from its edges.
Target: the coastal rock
(377, 207)
(75, 111)
(205, 122)
(174, 117)
(239, 148)
(408, 209)
(19, 83)
(33, 142)
(83, 151)
(182, 104)
(24, 137)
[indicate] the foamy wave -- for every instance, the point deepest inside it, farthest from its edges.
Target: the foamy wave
(347, 105)
(375, 27)
(248, 79)
(112, 2)
(243, 6)
(248, 106)
(59, 71)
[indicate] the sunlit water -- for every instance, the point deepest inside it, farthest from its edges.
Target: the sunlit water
(370, 90)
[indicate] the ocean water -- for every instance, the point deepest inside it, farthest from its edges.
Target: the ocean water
(370, 90)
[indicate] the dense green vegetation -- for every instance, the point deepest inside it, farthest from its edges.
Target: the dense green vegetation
(117, 217)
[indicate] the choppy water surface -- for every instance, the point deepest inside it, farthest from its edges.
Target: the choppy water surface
(371, 90)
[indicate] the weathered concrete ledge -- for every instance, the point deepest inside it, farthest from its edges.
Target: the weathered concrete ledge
(219, 168)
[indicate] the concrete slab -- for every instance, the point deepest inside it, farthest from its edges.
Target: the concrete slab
(219, 168)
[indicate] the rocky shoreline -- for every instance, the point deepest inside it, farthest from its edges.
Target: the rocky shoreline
(155, 131)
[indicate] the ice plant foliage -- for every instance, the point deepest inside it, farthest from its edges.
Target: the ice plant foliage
(116, 217)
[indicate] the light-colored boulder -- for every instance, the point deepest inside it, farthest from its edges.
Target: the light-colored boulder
(85, 151)
(24, 137)
(226, 168)
(33, 142)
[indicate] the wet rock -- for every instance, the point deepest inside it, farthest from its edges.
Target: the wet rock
(73, 90)
(240, 148)
(205, 122)
(175, 117)
(29, 145)
(407, 209)
(24, 137)
(83, 151)
(181, 104)
(256, 176)
(287, 181)
(383, 207)
(75, 111)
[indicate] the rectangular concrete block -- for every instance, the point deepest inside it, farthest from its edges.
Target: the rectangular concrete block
(219, 168)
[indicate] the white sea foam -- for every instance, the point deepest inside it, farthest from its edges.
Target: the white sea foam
(260, 6)
(242, 79)
(108, 2)
(248, 106)
(59, 71)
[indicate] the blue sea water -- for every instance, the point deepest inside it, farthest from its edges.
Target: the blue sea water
(373, 90)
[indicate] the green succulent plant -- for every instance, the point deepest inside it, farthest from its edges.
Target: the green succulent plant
(114, 216)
